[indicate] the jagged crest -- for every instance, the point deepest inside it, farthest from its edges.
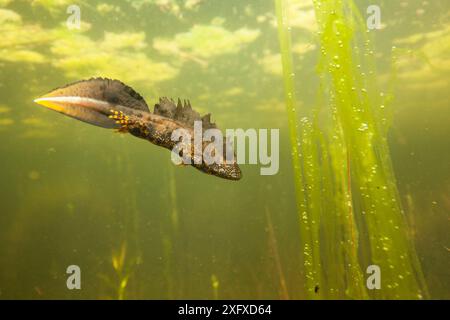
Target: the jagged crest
(182, 112)
(118, 93)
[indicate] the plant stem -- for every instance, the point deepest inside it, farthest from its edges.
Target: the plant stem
(311, 269)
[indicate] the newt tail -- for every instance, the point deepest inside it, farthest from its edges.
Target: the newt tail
(113, 105)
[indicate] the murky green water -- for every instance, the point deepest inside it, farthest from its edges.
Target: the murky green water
(140, 227)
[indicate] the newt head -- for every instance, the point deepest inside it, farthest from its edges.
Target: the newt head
(95, 101)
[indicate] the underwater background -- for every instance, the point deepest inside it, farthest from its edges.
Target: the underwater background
(140, 227)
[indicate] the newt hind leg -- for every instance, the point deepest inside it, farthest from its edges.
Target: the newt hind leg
(121, 119)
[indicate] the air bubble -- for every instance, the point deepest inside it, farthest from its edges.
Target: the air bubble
(363, 127)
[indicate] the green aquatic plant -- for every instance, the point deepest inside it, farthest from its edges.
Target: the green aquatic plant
(215, 286)
(311, 270)
(127, 256)
(349, 208)
(273, 248)
(124, 265)
(118, 262)
(171, 237)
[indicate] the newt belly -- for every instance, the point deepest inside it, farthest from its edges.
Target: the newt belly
(111, 104)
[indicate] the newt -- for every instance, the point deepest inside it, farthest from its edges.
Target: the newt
(111, 104)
